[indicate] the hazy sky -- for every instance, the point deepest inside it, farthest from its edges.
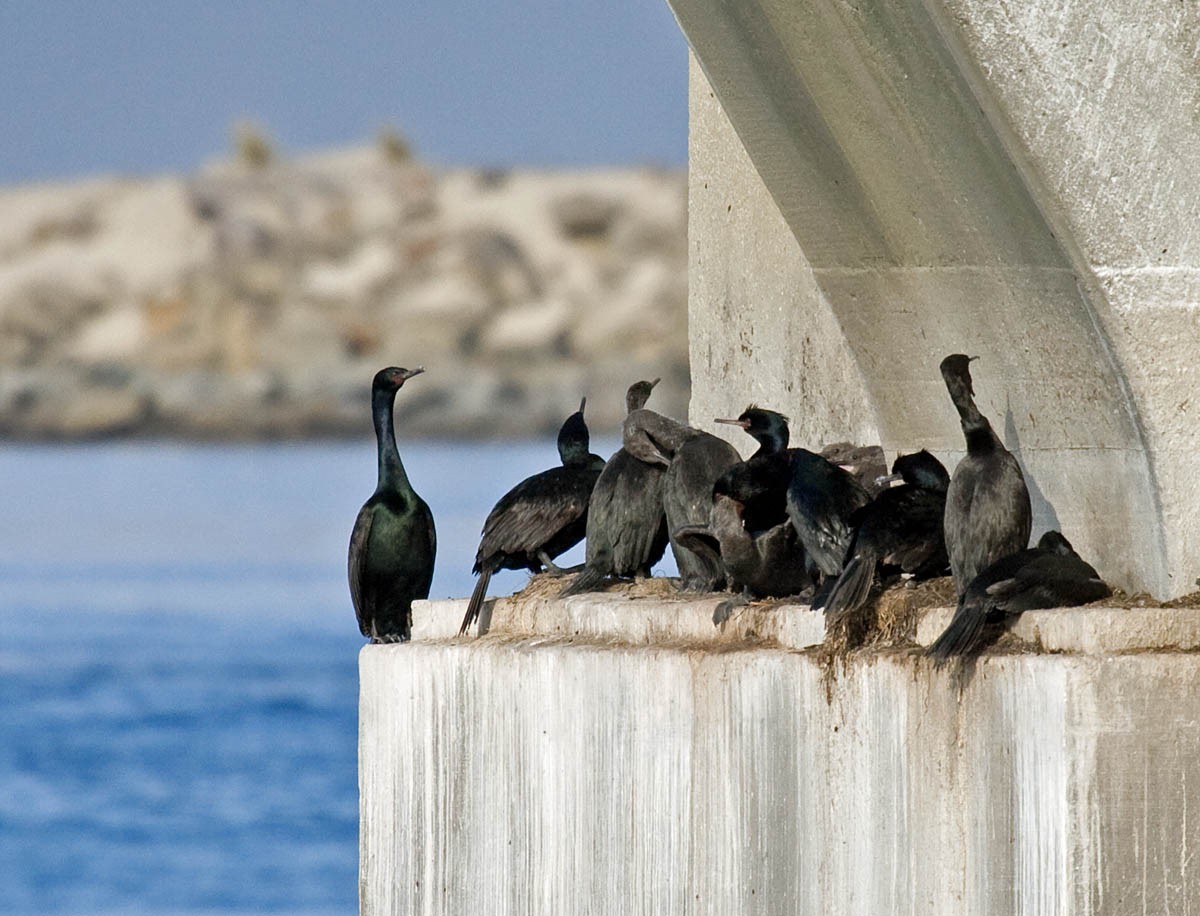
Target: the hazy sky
(143, 86)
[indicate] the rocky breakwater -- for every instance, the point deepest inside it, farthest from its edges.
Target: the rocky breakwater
(257, 300)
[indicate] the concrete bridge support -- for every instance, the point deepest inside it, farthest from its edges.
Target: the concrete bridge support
(875, 185)
(610, 756)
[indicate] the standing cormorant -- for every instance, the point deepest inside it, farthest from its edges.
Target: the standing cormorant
(393, 544)
(760, 483)
(988, 514)
(626, 525)
(541, 517)
(1047, 576)
(693, 460)
(901, 527)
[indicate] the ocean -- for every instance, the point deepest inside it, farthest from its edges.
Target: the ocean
(178, 666)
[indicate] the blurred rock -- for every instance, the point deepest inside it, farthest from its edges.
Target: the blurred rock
(259, 302)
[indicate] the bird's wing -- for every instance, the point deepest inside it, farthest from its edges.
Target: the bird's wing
(359, 537)
(1046, 582)
(423, 587)
(915, 537)
(535, 509)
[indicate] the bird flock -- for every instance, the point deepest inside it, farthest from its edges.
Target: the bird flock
(784, 522)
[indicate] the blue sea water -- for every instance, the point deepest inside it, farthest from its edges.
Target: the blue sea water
(178, 667)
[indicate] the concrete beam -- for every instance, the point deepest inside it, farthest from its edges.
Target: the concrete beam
(876, 185)
(534, 771)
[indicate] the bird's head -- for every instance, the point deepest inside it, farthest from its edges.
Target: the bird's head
(393, 378)
(638, 394)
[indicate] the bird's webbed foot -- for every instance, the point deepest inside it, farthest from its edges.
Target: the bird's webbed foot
(554, 569)
(388, 638)
(725, 609)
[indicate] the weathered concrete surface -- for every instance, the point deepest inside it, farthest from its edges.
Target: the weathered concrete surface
(556, 774)
(1012, 181)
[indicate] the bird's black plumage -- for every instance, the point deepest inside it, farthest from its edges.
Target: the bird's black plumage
(901, 527)
(821, 498)
(626, 524)
(988, 514)
(1046, 576)
(393, 544)
(760, 483)
(768, 564)
(540, 517)
(693, 461)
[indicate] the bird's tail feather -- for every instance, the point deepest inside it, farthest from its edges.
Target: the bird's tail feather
(962, 636)
(477, 598)
(853, 586)
(586, 581)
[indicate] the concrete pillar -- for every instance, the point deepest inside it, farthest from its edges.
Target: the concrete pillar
(609, 756)
(876, 185)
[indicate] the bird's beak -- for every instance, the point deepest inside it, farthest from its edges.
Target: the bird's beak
(888, 479)
(744, 424)
(409, 373)
(656, 381)
(582, 403)
(972, 359)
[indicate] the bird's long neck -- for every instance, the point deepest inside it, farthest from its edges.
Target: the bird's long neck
(391, 469)
(653, 438)
(981, 438)
(975, 426)
(771, 442)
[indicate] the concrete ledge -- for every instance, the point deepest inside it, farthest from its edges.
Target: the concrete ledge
(621, 618)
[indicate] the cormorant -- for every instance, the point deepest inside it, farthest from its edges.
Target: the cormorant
(626, 525)
(393, 544)
(821, 498)
(988, 515)
(693, 460)
(901, 527)
(541, 517)
(1047, 576)
(769, 564)
(760, 483)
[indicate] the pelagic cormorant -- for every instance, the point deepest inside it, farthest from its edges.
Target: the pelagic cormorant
(626, 525)
(760, 483)
(540, 517)
(901, 527)
(693, 460)
(393, 544)
(1046, 576)
(988, 514)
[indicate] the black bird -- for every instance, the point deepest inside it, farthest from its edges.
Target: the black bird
(988, 515)
(1046, 576)
(393, 544)
(693, 460)
(760, 483)
(626, 525)
(541, 517)
(769, 564)
(901, 527)
(821, 498)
